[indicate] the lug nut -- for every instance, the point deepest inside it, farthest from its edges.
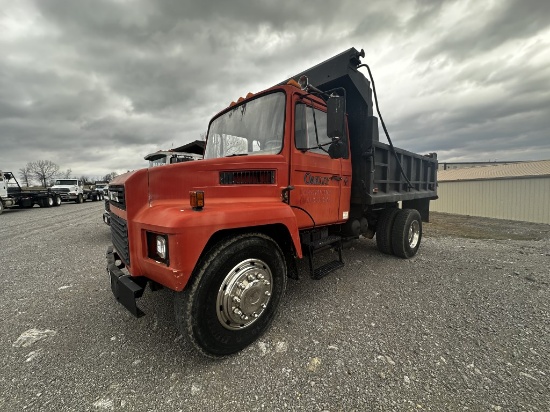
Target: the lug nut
(259, 276)
(250, 277)
(236, 299)
(267, 293)
(237, 311)
(266, 283)
(241, 285)
(263, 305)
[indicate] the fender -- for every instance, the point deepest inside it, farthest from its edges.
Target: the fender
(190, 230)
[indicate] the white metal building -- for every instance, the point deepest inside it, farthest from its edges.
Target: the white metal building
(519, 191)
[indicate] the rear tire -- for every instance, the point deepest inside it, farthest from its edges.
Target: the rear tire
(1, 207)
(407, 233)
(233, 296)
(48, 202)
(384, 230)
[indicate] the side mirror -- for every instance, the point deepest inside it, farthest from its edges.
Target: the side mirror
(336, 115)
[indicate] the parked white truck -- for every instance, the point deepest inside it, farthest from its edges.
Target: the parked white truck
(70, 190)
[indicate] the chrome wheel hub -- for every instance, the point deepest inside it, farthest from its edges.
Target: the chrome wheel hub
(414, 234)
(244, 294)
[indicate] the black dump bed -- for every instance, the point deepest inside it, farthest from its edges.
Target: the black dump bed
(377, 177)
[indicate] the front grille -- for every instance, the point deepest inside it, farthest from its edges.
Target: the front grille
(248, 177)
(119, 236)
(107, 206)
(117, 196)
(61, 190)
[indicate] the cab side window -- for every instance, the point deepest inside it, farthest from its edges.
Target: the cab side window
(304, 129)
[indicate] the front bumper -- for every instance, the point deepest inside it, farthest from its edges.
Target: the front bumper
(125, 288)
(66, 197)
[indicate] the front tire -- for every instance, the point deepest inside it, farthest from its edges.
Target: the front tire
(79, 199)
(233, 296)
(57, 201)
(407, 233)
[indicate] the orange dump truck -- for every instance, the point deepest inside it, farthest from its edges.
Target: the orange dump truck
(287, 173)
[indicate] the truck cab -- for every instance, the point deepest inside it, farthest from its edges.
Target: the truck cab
(287, 173)
(70, 190)
(168, 157)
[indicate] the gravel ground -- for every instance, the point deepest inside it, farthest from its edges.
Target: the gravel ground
(462, 326)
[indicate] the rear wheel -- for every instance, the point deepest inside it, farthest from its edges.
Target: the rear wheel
(407, 233)
(384, 229)
(48, 202)
(1, 207)
(233, 296)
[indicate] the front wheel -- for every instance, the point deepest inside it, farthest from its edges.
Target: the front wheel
(57, 200)
(233, 296)
(407, 233)
(79, 199)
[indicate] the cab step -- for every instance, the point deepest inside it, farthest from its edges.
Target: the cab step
(313, 246)
(327, 268)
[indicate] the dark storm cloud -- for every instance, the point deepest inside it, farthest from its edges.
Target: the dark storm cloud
(119, 79)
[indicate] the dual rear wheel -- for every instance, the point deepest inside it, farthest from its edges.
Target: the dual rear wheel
(399, 232)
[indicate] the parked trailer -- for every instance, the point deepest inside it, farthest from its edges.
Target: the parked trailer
(287, 173)
(13, 196)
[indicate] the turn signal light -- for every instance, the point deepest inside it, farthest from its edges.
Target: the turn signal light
(196, 199)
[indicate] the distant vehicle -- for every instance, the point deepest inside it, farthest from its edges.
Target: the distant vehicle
(98, 191)
(103, 186)
(166, 157)
(71, 190)
(13, 196)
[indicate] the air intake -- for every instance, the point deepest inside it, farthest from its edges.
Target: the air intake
(248, 177)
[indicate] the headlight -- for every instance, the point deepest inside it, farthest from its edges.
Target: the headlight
(161, 247)
(157, 247)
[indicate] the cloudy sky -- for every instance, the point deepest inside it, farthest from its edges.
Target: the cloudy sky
(96, 85)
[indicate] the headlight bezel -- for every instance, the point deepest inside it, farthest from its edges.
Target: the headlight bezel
(158, 247)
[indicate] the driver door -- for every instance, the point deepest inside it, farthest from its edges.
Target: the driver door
(315, 176)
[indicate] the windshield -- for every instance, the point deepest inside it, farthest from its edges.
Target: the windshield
(253, 128)
(65, 182)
